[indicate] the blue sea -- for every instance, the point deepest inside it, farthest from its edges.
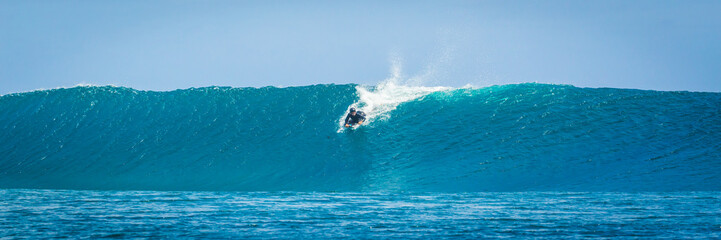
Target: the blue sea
(263, 215)
(509, 161)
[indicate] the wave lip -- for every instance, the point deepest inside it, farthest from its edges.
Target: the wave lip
(502, 138)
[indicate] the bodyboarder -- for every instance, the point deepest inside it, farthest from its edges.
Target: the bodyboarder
(354, 118)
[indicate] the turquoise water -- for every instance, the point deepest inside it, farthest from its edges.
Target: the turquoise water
(527, 137)
(517, 161)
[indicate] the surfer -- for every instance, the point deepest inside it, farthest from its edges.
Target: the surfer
(354, 117)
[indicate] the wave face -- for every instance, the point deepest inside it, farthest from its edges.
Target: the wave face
(526, 137)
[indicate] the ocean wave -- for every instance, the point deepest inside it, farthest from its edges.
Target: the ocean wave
(501, 138)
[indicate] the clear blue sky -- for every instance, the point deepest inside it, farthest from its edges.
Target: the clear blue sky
(165, 45)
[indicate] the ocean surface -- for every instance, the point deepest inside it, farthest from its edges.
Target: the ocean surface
(523, 160)
(263, 215)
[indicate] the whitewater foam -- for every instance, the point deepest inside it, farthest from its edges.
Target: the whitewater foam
(378, 101)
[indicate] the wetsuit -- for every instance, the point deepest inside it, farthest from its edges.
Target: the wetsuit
(353, 119)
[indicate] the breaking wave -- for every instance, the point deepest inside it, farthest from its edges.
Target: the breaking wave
(502, 138)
